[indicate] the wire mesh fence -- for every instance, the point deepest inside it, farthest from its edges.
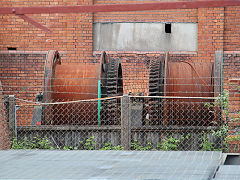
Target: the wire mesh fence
(74, 93)
(154, 104)
(122, 81)
(121, 123)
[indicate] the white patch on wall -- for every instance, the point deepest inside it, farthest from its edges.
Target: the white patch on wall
(145, 37)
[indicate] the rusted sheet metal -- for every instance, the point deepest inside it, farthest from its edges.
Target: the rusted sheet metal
(53, 58)
(190, 79)
(33, 22)
(120, 7)
(75, 82)
(186, 79)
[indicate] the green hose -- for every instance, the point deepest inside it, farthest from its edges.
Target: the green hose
(99, 102)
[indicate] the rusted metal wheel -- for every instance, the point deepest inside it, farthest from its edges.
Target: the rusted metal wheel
(181, 79)
(113, 86)
(72, 82)
(156, 88)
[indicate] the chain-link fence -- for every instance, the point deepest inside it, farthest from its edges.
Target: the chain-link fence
(119, 123)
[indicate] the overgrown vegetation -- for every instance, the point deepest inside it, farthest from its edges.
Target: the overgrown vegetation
(35, 143)
(222, 100)
(168, 143)
(89, 144)
(108, 146)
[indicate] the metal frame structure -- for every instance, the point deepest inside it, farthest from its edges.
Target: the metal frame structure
(22, 11)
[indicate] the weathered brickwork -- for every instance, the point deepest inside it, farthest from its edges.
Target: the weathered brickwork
(210, 33)
(72, 36)
(218, 28)
(231, 68)
(22, 73)
(234, 115)
(4, 130)
(71, 33)
(232, 29)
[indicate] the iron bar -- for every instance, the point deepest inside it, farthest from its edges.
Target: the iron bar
(33, 22)
(120, 7)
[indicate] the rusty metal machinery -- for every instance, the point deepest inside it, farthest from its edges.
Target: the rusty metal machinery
(181, 79)
(156, 88)
(72, 82)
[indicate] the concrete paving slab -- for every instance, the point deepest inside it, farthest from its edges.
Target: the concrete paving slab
(227, 172)
(56, 164)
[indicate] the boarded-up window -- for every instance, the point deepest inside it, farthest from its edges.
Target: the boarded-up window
(145, 37)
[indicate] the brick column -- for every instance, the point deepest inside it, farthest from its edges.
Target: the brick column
(4, 130)
(234, 115)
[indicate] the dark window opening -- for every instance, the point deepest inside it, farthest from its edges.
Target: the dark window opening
(168, 28)
(12, 48)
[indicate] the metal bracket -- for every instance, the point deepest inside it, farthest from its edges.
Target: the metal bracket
(33, 22)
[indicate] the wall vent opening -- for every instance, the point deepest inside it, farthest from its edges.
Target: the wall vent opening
(168, 28)
(12, 48)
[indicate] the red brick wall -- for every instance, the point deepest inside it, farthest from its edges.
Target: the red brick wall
(231, 82)
(71, 33)
(178, 15)
(21, 73)
(231, 67)
(210, 33)
(4, 130)
(234, 115)
(232, 28)
(218, 28)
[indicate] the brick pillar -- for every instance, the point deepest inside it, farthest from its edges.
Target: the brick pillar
(4, 130)
(234, 115)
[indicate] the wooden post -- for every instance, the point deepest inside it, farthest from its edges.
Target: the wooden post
(11, 113)
(217, 72)
(125, 122)
(218, 81)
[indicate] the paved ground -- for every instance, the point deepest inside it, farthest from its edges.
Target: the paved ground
(228, 172)
(53, 164)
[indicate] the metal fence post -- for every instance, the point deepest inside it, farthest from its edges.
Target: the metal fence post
(125, 122)
(11, 113)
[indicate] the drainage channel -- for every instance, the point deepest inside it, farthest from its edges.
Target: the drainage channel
(229, 167)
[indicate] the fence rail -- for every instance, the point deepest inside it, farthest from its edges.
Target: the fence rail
(126, 122)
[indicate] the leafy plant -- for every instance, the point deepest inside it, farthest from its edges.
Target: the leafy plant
(169, 144)
(89, 143)
(108, 146)
(135, 145)
(223, 100)
(222, 132)
(117, 148)
(17, 144)
(35, 143)
(68, 148)
(206, 145)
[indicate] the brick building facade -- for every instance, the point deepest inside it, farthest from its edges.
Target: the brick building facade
(72, 35)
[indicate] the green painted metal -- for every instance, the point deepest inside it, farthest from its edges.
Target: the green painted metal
(99, 101)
